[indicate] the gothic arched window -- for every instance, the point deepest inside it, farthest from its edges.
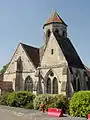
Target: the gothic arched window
(19, 64)
(48, 33)
(29, 84)
(86, 80)
(56, 31)
(88, 83)
(76, 82)
(64, 33)
(48, 85)
(55, 86)
(52, 51)
(39, 87)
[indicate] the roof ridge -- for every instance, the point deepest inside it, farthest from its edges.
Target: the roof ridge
(53, 16)
(29, 45)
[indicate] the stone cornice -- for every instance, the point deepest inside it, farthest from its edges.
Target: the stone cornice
(53, 66)
(18, 72)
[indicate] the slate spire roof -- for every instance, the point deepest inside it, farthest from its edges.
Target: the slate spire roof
(69, 51)
(54, 18)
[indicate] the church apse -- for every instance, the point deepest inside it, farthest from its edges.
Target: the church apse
(77, 80)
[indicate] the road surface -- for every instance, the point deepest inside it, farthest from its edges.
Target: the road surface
(11, 113)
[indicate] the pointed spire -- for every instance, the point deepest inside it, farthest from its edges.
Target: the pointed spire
(55, 18)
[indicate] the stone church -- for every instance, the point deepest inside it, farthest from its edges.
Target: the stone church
(55, 68)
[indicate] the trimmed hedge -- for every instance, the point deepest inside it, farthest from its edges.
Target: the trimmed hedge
(80, 104)
(42, 99)
(21, 99)
(26, 99)
(3, 99)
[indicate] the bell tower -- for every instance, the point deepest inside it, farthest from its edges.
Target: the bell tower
(54, 24)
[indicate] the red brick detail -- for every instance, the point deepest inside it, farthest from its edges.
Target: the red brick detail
(55, 18)
(5, 85)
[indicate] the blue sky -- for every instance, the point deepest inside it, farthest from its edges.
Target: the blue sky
(22, 21)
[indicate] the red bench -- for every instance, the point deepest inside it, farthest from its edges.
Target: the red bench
(88, 116)
(55, 112)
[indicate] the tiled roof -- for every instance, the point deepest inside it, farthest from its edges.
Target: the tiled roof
(41, 51)
(69, 51)
(55, 18)
(33, 53)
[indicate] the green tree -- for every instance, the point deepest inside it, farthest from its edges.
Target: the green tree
(4, 68)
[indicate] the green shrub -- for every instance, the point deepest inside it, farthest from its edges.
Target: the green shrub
(29, 105)
(61, 102)
(42, 99)
(20, 99)
(3, 99)
(54, 101)
(80, 104)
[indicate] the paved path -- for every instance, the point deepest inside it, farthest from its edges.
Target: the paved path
(11, 113)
